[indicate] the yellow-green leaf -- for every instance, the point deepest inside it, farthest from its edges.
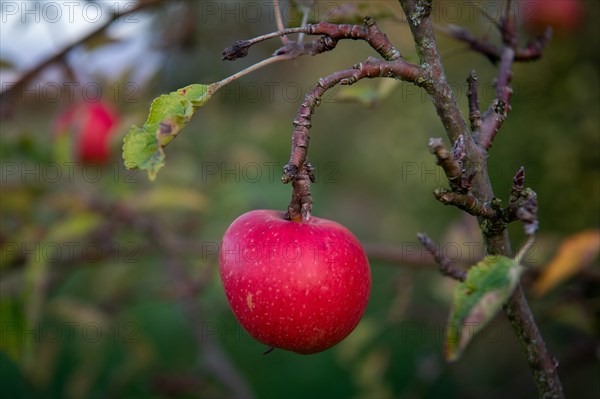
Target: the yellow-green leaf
(143, 147)
(487, 287)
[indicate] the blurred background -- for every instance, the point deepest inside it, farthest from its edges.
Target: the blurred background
(109, 282)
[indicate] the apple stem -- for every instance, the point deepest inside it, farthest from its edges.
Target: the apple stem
(298, 170)
(300, 206)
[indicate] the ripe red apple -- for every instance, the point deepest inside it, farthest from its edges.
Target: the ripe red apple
(563, 15)
(299, 286)
(92, 125)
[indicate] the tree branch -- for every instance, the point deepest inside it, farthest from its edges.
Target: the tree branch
(474, 110)
(446, 267)
(298, 170)
(250, 69)
(496, 113)
(393, 254)
(444, 159)
(22, 82)
(522, 205)
(541, 363)
(372, 68)
(417, 13)
(279, 21)
(530, 52)
(465, 201)
(492, 223)
(332, 33)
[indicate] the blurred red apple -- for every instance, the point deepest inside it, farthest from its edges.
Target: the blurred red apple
(298, 286)
(92, 125)
(562, 15)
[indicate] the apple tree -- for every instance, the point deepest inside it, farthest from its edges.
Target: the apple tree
(486, 288)
(225, 264)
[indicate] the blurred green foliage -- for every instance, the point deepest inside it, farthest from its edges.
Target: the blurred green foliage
(110, 283)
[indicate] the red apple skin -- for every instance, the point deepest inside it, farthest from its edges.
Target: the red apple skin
(565, 16)
(95, 136)
(298, 286)
(92, 124)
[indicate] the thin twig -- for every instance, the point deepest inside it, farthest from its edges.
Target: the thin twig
(27, 76)
(305, 14)
(523, 208)
(465, 201)
(371, 68)
(332, 33)
(524, 249)
(451, 167)
(249, 70)
(279, 21)
(530, 52)
(405, 255)
(518, 184)
(445, 264)
(496, 113)
(522, 204)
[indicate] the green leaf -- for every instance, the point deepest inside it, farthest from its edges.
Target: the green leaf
(487, 287)
(143, 147)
